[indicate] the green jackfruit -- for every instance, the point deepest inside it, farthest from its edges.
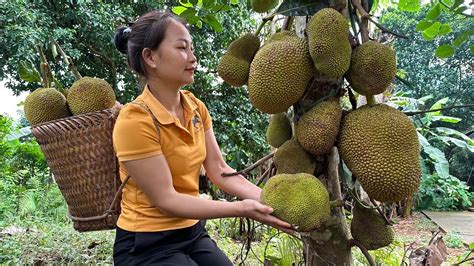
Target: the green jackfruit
(279, 74)
(279, 130)
(281, 36)
(318, 128)
(88, 95)
(370, 229)
(234, 65)
(329, 45)
(373, 68)
(262, 6)
(45, 104)
(380, 146)
(291, 158)
(299, 199)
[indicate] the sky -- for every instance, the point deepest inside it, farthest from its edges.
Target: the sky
(8, 102)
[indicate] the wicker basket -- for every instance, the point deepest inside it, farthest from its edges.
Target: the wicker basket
(81, 156)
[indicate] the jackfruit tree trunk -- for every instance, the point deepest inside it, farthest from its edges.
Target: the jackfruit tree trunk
(330, 246)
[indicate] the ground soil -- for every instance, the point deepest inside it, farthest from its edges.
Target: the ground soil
(417, 231)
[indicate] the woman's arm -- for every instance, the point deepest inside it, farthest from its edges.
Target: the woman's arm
(215, 165)
(158, 187)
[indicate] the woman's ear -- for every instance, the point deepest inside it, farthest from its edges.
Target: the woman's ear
(149, 58)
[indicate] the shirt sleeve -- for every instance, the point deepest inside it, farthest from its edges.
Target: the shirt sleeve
(206, 117)
(135, 136)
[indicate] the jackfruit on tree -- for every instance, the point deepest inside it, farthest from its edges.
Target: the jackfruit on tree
(373, 68)
(370, 229)
(380, 146)
(234, 65)
(45, 104)
(262, 6)
(279, 130)
(329, 45)
(291, 158)
(299, 199)
(88, 95)
(279, 73)
(317, 129)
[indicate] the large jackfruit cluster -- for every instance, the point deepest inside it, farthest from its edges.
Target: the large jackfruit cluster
(234, 65)
(380, 146)
(279, 130)
(300, 199)
(317, 129)
(85, 95)
(279, 73)
(329, 43)
(373, 68)
(370, 229)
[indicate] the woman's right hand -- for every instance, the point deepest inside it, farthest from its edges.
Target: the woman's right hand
(257, 211)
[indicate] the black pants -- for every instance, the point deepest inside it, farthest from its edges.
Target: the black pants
(186, 246)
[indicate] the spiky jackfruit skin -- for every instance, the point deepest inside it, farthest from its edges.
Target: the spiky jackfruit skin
(234, 71)
(299, 199)
(291, 158)
(262, 6)
(234, 65)
(380, 146)
(370, 229)
(279, 130)
(88, 95)
(45, 104)
(373, 68)
(279, 74)
(281, 36)
(318, 128)
(329, 45)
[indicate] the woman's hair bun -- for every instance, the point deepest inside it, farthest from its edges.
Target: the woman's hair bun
(121, 38)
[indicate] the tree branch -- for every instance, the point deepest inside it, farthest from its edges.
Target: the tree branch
(247, 170)
(68, 61)
(353, 242)
(436, 110)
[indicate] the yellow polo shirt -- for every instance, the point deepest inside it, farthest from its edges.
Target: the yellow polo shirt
(135, 137)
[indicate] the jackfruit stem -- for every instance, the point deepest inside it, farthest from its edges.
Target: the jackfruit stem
(371, 100)
(247, 170)
(336, 203)
(46, 73)
(363, 249)
(264, 21)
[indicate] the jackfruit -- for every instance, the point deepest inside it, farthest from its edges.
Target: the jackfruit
(45, 104)
(234, 65)
(299, 199)
(373, 68)
(279, 74)
(90, 95)
(279, 130)
(380, 146)
(281, 36)
(262, 6)
(370, 229)
(291, 158)
(317, 129)
(329, 46)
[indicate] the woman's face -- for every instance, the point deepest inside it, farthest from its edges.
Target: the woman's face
(175, 60)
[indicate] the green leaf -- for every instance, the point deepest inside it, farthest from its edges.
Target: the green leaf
(190, 16)
(214, 23)
(185, 3)
(438, 105)
(423, 141)
(453, 132)
(179, 9)
(447, 119)
(463, 37)
(234, 2)
(433, 30)
(423, 25)
(301, 7)
(440, 162)
(456, 4)
(434, 12)
(28, 72)
(472, 49)
(208, 4)
(199, 24)
(409, 5)
(457, 142)
(471, 246)
(460, 9)
(444, 51)
(444, 29)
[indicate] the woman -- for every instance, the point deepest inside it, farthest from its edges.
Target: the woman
(162, 141)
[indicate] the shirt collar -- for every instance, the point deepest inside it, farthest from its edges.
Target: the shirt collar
(160, 111)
